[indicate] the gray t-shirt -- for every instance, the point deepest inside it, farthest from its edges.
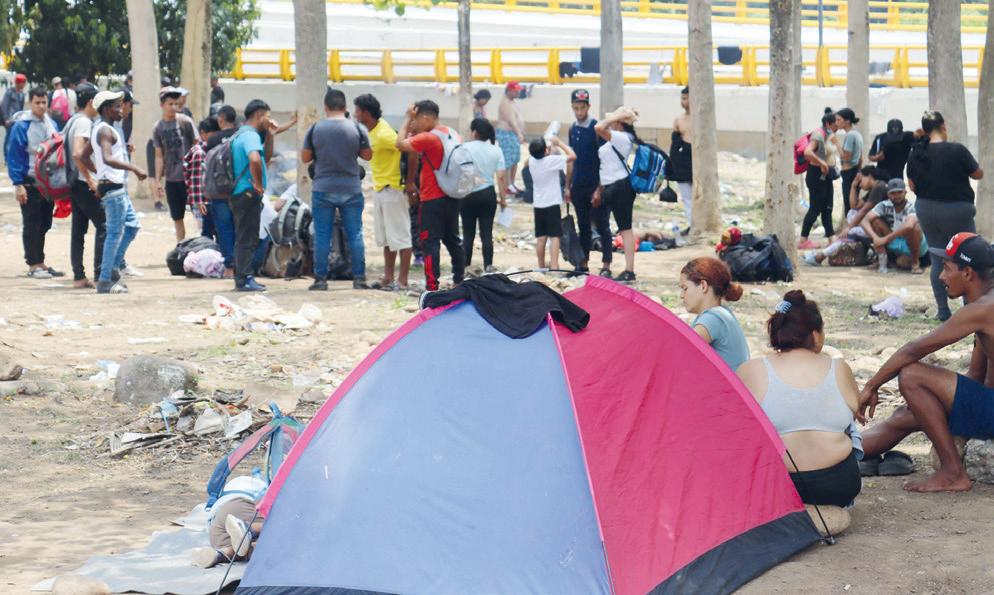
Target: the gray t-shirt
(853, 142)
(174, 138)
(78, 126)
(336, 145)
(895, 219)
(727, 337)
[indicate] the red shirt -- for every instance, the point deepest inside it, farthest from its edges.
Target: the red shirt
(430, 147)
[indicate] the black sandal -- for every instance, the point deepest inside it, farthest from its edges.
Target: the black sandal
(870, 467)
(896, 463)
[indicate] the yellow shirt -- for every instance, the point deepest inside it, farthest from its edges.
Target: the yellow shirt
(386, 157)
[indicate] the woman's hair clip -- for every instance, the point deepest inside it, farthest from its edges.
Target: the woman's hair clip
(783, 307)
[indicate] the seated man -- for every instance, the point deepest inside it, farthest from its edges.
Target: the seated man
(870, 181)
(893, 227)
(940, 402)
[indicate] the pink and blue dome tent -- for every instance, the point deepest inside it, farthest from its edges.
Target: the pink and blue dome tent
(625, 458)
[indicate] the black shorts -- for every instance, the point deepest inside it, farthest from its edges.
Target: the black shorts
(176, 198)
(548, 222)
(973, 410)
(837, 485)
(620, 199)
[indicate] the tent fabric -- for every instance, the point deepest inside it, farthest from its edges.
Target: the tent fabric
(624, 458)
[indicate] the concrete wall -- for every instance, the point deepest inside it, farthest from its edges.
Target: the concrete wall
(741, 117)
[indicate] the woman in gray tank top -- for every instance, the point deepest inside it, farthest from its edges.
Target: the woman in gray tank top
(811, 400)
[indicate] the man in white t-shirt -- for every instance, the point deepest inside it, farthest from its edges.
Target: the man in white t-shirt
(86, 207)
(547, 171)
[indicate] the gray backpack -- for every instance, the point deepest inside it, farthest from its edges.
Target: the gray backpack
(457, 173)
(219, 170)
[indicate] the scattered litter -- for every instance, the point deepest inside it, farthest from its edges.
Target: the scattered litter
(238, 424)
(57, 321)
(506, 217)
(258, 314)
(210, 421)
(108, 370)
(192, 318)
(146, 340)
(892, 306)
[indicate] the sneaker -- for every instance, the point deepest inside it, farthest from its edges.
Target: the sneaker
(110, 287)
(130, 271)
(319, 285)
(83, 284)
(811, 259)
(159, 206)
(206, 557)
(807, 245)
(249, 284)
(359, 283)
(490, 269)
(39, 274)
(625, 277)
(685, 232)
(606, 273)
(241, 536)
(55, 273)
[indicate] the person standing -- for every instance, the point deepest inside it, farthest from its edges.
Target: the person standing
(511, 132)
(681, 157)
(62, 103)
(172, 137)
(334, 144)
(819, 177)
(249, 165)
(852, 152)
(940, 172)
(480, 206)
(110, 158)
(617, 128)
(193, 175)
(29, 130)
(546, 169)
(391, 215)
(890, 149)
(439, 218)
(583, 183)
(86, 207)
(13, 103)
(480, 100)
(219, 207)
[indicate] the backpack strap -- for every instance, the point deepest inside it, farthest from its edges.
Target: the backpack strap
(623, 160)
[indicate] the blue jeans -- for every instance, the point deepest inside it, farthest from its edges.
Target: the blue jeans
(122, 227)
(224, 228)
(323, 205)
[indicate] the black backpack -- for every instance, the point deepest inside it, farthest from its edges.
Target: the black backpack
(176, 256)
(757, 259)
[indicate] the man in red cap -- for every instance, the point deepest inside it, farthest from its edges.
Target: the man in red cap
(940, 402)
(510, 131)
(13, 102)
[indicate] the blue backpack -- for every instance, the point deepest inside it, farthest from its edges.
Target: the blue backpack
(648, 171)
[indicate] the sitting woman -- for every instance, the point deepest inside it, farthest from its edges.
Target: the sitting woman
(811, 399)
(704, 283)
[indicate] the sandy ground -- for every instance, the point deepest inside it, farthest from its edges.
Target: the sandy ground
(64, 501)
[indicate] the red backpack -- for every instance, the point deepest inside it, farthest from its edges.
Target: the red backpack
(800, 146)
(50, 174)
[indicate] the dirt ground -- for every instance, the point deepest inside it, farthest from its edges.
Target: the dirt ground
(64, 500)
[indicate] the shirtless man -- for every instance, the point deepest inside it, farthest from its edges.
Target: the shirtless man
(942, 403)
(510, 131)
(681, 158)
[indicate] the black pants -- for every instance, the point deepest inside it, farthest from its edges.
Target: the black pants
(86, 209)
(848, 175)
(36, 217)
(176, 199)
(246, 210)
(837, 485)
(940, 221)
(440, 225)
(588, 215)
(479, 207)
(415, 212)
(821, 195)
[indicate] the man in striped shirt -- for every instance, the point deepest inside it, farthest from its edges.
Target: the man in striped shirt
(194, 163)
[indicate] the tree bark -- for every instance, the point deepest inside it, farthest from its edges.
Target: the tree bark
(465, 70)
(985, 114)
(706, 199)
(781, 183)
(145, 69)
(612, 65)
(311, 74)
(797, 47)
(945, 67)
(858, 64)
(197, 46)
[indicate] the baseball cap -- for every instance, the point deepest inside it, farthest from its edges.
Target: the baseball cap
(896, 185)
(20, 78)
(129, 98)
(85, 93)
(167, 91)
(56, 80)
(895, 130)
(105, 96)
(580, 95)
(182, 91)
(967, 249)
(513, 86)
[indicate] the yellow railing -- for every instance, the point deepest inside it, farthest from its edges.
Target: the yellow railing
(893, 15)
(894, 65)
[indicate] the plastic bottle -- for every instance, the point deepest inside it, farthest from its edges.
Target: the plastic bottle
(552, 130)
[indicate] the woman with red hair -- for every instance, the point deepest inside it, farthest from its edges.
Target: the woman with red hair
(704, 284)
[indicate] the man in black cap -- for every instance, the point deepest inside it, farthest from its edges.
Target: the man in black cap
(583, 181)
(940, 402)
(890, 149)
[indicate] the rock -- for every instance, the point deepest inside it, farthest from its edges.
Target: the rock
(30, 387)
(316, 395)
(9, 369)
(979, 460)
(836, 519)
(933, 456)
(146, 379)
(77, 584)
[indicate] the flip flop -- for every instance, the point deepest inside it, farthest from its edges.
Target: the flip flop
(896, 463)
(870, 467)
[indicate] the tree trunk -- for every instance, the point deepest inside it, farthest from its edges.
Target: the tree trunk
(145, 69)
(311, 55)
(465, 70)
(706, 194)
(945, 67)
(197, 44)
(797, 47)
(985, 114)
(612, 65)
(858, 66)
(781, 183)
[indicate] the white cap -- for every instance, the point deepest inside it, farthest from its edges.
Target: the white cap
(105, 96)
(182, 92)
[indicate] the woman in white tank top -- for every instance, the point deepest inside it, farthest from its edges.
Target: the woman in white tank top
(811, 399)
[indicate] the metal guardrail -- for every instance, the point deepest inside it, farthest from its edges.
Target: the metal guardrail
(899, 66)
(890, 15)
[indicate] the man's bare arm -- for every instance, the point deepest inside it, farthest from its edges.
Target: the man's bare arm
(106, 141)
